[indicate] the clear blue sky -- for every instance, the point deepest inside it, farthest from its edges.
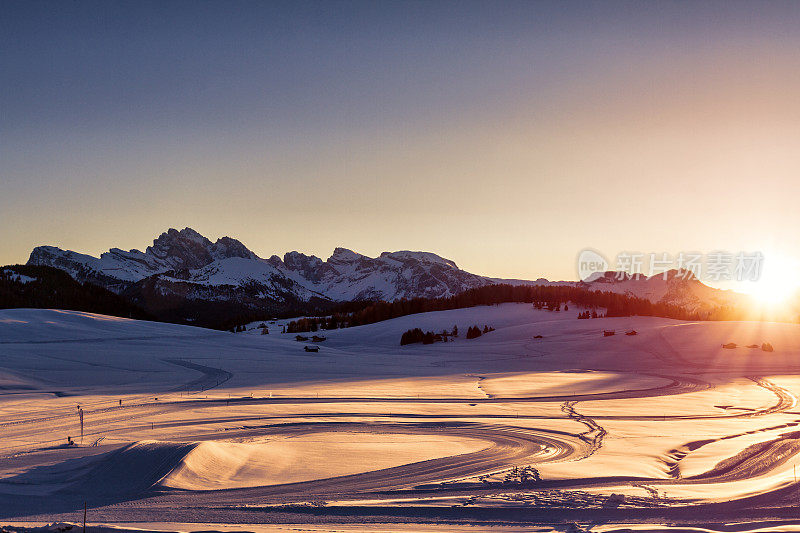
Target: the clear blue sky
(503, 135)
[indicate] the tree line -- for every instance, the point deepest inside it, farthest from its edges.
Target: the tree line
(52, 288)
(551, 297)
(416, 335)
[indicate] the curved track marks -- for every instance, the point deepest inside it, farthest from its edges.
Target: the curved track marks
(212, 377)
(753, 461)
(508, 446)
(786, 400)
(594, 433)
(678, 385)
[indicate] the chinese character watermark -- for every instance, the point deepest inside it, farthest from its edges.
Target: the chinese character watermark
(718, 265)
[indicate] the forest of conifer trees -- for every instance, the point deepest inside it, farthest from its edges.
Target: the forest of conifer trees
(552, 298)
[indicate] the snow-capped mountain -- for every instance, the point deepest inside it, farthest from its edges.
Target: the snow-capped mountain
(347, 275)
(189, 265)
(675, 287)
(173, 250)
(185, 269)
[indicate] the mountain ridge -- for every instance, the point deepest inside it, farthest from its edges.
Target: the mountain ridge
(184, 268)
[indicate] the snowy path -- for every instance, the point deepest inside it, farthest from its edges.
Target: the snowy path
(212, 377)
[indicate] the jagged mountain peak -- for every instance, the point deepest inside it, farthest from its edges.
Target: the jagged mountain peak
(187, 258)
(227, 247)
(310, 267)
(186, 234)
(423, 257)
(344, 255)
(185, 249)
(295, 259)
(188, 249)
(681, 274)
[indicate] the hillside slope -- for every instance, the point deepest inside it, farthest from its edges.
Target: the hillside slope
(30, 286)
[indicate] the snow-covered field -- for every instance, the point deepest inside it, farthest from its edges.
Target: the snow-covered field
(184, 425)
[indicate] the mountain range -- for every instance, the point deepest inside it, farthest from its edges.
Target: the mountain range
(184, 276)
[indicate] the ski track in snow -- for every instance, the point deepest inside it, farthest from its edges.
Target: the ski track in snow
(519, 430)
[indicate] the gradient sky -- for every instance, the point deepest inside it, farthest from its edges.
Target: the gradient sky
(505, 136)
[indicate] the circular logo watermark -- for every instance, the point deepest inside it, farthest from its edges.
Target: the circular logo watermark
(589, 263)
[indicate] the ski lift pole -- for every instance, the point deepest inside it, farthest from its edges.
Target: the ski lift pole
(80, 416)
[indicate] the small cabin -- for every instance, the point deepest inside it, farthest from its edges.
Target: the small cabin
(300, 338)
(729, 346)
(317, 338)
(311, 348)
(607, 333)
(631, 332)
(767, 347)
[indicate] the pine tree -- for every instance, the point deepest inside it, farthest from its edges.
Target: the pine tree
(473, 332)
(412, 336)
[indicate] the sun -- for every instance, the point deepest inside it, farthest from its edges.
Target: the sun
(769, 292)
(777, 283)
